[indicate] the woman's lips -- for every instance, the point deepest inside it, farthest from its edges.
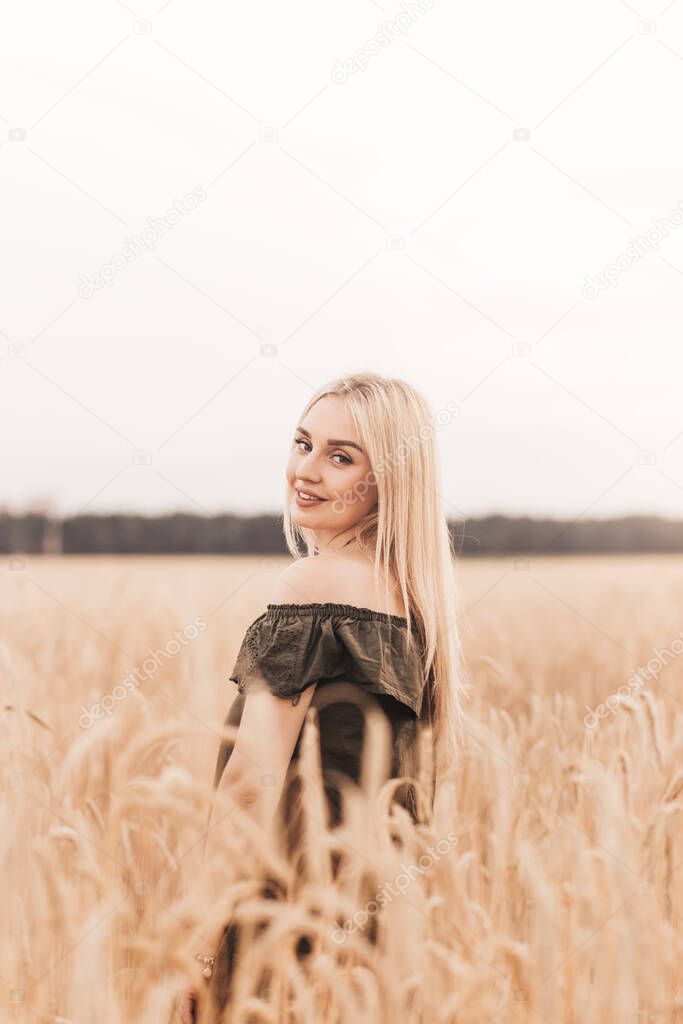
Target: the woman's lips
(307, 502)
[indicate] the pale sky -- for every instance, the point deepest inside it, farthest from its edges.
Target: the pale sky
(428, 208)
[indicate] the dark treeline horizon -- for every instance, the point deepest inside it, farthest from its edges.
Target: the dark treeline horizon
(228, 534)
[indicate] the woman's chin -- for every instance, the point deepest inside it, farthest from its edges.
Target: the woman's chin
(304, 516)
(298, 513)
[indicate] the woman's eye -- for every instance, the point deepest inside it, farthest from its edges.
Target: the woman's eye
(346, 461)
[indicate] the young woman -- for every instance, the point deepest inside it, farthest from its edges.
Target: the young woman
(371, 609)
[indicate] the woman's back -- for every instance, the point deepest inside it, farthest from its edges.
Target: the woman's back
(359, 658)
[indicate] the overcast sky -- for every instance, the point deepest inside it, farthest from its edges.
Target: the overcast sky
(428, 190)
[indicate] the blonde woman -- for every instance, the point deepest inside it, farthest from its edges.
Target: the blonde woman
(372, 606)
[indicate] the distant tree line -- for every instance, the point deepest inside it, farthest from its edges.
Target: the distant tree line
(181, 533)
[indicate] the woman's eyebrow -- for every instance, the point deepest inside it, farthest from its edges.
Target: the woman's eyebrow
(333, 441)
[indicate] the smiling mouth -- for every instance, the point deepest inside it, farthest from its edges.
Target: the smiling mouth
(306, 498)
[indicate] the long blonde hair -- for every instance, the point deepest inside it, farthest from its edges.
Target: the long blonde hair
(408, 532)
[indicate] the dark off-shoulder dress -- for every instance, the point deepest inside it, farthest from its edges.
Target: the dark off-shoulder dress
(358, 657)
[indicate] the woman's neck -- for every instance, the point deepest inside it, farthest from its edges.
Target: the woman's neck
(345, 543)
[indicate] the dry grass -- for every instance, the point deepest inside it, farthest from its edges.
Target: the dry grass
(559, 898)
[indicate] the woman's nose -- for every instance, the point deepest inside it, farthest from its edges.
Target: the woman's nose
(309, 466)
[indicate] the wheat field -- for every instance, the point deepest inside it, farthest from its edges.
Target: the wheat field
(549, 886)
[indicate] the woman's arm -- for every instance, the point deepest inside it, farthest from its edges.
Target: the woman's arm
(256, 768)
(270, 726)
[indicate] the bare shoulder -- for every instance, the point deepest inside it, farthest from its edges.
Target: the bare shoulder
(307, 580)
(332, 578)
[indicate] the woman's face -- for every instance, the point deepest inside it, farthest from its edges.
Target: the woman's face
(328, 460)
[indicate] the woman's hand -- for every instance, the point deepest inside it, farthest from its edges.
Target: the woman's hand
(187, 1006)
